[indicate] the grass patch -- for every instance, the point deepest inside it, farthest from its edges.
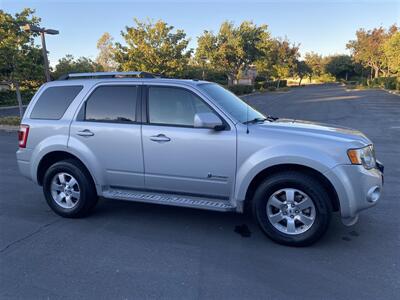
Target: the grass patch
(10, 120)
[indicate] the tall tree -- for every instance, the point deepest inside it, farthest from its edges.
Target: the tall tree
(316, 63)
(233, 49)
(153, 47)
(69, 64)
(285, 56)
(20, 60)
(105, 58)
(367, 48)
(391, 49)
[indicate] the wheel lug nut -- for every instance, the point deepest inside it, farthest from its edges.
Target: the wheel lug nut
(297, 211)
(292, 216)
(292, 205)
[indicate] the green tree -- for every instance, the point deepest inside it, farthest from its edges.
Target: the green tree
(21, 62)
(316, 63)
(233, 49)
(69, 64)
(153, 47)
(340, 66)
(367, 48)
(392, 52)
(284, 56)
(20, 59)
(105, 58)
(302, 70)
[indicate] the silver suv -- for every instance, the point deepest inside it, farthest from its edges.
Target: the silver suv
(133, 136)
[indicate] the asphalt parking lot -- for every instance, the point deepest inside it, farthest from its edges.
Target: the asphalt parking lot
(139, 251)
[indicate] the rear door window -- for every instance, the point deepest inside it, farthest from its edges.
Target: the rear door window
(112, 104)
(54, 101)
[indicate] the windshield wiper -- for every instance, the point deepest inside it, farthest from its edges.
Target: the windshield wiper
(271, 118)
(258, 120)
(255, 120)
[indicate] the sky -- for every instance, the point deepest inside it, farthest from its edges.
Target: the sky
(320, 26)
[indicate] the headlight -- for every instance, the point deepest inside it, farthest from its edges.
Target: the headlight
(363, 156)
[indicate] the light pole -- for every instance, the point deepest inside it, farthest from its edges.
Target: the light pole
(42, 31)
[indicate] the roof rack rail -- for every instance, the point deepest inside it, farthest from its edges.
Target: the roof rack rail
(93, 75)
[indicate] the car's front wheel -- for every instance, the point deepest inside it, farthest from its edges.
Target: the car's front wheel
(292, 208)
(69, 190)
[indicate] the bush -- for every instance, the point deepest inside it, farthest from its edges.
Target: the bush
(389, 83)
(325, 78)
(241, 89)
(260, 85)
(266, 85)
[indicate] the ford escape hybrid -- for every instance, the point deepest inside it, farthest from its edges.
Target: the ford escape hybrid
(133, 136)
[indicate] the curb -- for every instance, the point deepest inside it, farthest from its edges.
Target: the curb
(251, 94)
(9, 128)
(392, 92)
(261, 93)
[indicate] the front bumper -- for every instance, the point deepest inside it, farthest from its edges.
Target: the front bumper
(357, 189)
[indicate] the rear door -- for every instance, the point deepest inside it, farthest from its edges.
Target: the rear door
(108, 125)
(180, 158)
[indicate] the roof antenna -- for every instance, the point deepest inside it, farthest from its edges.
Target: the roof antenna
(247, 117)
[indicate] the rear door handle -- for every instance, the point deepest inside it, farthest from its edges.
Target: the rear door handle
(160, 138)
(85, 132)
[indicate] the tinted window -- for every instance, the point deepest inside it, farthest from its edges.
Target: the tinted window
(112, 104)
(174, 106)
(54, 101)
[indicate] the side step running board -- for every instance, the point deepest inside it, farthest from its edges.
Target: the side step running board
(169, 199)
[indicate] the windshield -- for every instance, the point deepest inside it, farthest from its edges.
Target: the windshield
(232, 104)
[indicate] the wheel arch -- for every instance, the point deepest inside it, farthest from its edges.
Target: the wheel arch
(269, 171)
(55, 156)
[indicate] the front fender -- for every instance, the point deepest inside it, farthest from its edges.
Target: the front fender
(278, 155)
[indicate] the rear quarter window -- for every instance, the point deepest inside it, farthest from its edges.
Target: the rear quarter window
(54, 101)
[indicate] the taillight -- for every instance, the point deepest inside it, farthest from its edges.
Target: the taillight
(23, 135)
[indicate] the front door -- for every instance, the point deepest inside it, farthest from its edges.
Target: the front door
(107, 127)
(180, 158)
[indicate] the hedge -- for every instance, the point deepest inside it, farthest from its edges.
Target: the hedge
(241, 89)
(9, 98)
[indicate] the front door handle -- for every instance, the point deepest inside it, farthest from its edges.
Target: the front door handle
(160, 138)
(85, 132)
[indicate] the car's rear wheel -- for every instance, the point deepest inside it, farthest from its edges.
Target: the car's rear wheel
(69, 189)
(292, 208)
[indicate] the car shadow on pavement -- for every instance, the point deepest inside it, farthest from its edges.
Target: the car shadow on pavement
(145, 218)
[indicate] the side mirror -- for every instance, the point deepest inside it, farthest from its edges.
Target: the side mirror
(208, 120)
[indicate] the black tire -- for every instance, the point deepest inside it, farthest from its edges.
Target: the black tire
(88, 195)
(299, 181)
